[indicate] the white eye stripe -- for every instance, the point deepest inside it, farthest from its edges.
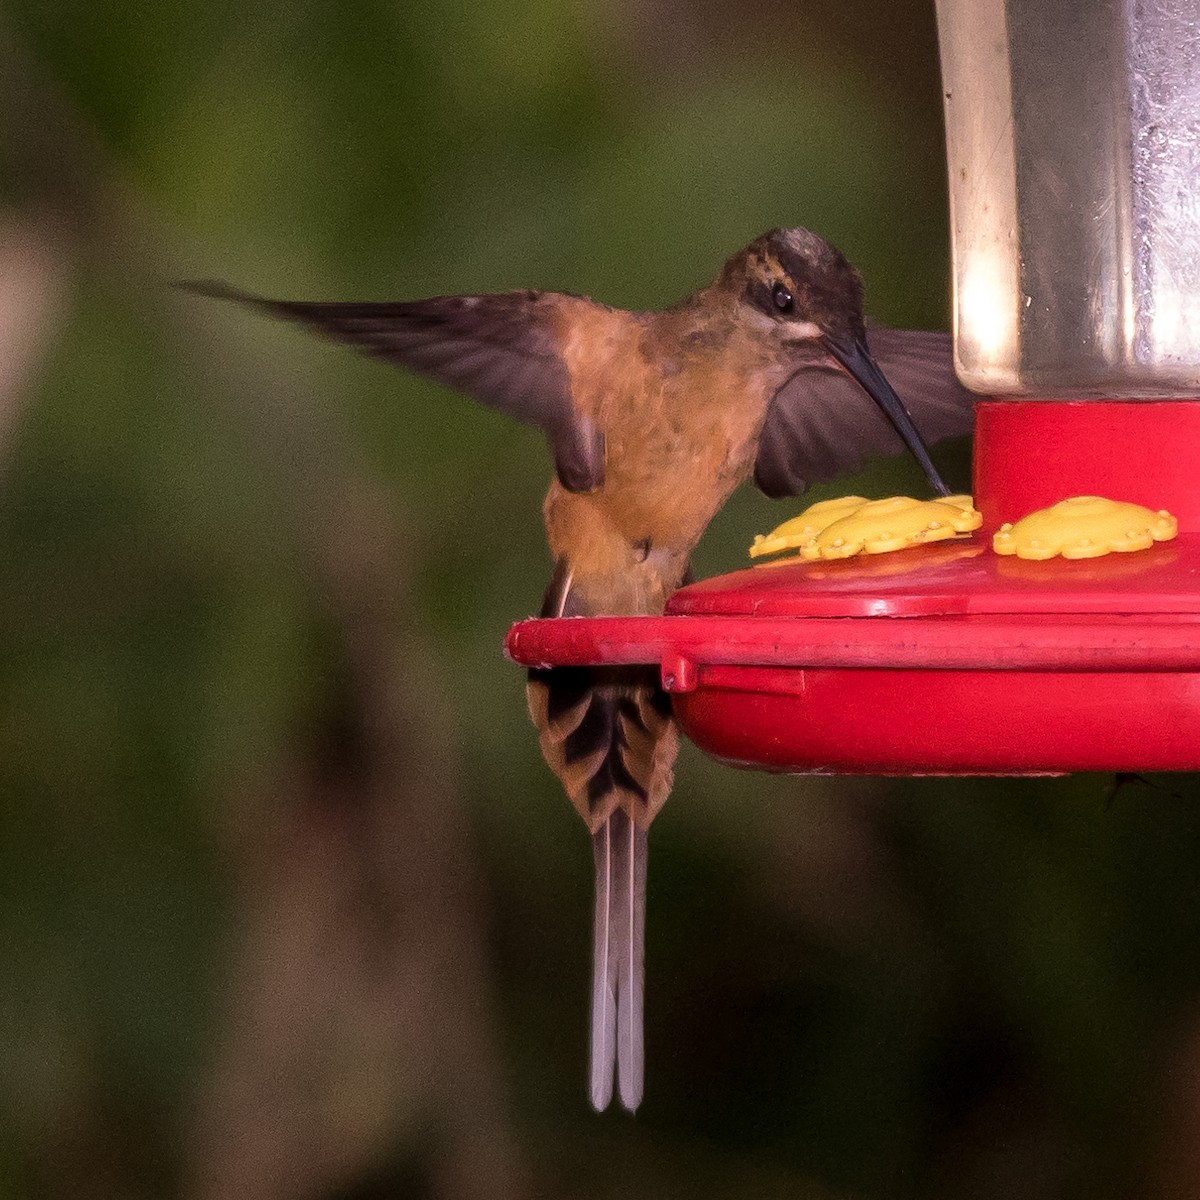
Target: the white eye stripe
(800, 331)
(780, 327)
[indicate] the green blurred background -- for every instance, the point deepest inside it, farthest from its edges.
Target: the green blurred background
(289, 905)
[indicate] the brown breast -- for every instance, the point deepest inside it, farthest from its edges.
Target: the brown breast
(681, 404)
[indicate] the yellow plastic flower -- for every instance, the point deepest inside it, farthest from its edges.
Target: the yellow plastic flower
(1085, 527)
(793, 534)
(852, 525)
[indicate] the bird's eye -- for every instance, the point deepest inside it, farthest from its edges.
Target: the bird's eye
(782, 298)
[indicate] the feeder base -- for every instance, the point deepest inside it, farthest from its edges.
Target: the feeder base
(947, 658)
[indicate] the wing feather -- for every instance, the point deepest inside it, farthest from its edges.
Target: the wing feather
(821, 424)
(501, 350)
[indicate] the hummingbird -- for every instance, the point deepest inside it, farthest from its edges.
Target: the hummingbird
(652, 420)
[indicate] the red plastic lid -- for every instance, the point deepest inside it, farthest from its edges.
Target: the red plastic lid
(956, 578)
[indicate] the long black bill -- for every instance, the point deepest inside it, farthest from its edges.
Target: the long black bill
(853, 354)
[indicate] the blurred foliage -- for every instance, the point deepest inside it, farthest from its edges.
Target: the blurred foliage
(855, 987)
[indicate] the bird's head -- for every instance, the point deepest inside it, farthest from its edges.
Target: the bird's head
(805, 301)
(795, 287)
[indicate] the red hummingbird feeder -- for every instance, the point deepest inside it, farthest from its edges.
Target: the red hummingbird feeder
(1073, 139)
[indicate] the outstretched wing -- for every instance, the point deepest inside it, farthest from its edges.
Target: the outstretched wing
(821, 424)
(501, 350)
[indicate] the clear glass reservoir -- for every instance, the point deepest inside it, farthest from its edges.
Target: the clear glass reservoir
(1073, 143)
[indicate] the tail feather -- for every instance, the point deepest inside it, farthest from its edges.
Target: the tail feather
(629, 902)
(609, 736)
(604, 977)
(618, 962)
